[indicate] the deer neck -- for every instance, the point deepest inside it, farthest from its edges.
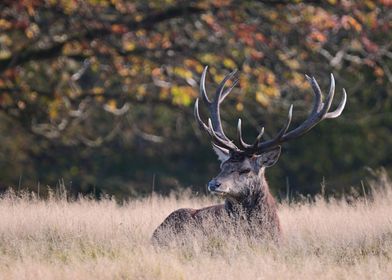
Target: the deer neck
(256, 203)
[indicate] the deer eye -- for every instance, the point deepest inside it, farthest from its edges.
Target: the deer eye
(244, 171)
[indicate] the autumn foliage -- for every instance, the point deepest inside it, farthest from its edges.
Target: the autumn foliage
(100, 93)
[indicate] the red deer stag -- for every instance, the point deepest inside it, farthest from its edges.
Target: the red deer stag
(241, 181)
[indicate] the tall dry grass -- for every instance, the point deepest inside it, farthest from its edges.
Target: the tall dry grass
(86, 239)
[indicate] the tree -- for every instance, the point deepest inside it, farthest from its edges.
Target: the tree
(96, 91)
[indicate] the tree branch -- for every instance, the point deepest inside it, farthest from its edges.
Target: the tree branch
(91, 33)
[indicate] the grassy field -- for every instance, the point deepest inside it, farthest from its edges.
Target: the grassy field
(87, 239)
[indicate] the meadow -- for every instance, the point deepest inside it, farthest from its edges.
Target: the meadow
(88, 239)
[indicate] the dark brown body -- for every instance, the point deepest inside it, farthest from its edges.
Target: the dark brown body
(256, 216)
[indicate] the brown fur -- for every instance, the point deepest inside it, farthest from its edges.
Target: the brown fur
(254, 212)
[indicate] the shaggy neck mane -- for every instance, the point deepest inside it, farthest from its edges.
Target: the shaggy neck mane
(257, 205)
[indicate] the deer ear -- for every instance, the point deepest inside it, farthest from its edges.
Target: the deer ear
(269, 158)
(222, 153)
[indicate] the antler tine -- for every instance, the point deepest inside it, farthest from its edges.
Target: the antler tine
(221, 86)
(214, 107)
(203, 91)
(279, 137)
(242, 143)
(317, 93)
(261, 133)
(209, 129)
(197, 116)
(258, 139)
(328, 101)
(218, 140)
(339, 109)
(228, 90)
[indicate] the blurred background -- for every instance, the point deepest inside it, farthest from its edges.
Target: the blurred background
(97, 96)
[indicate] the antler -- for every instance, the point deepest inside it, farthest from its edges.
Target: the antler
(319, 112)
(214, 127)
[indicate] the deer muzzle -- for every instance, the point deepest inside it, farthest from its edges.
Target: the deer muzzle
(213, 185)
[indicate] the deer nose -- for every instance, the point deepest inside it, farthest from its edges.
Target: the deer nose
(213, 185)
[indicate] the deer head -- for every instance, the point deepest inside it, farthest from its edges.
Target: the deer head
(242, 164)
